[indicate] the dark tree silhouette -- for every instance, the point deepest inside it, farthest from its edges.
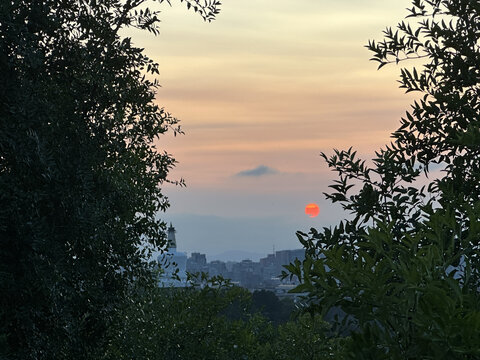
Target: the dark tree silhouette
(80, 178)
(405, 268)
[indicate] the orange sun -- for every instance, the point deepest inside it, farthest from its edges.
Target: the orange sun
(312, 210)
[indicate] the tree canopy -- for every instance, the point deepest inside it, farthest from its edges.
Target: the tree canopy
(405, 267)
(214, 320)
(80, 177)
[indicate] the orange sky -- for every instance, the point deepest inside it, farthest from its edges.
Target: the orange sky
(273, 83)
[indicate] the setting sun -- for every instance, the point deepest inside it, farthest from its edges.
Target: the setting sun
(312, 210)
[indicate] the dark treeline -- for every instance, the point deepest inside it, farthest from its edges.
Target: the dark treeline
(220, 321)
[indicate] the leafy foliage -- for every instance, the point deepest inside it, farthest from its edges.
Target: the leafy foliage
(179, 323)
(405, 267)
(308, 337)
(214, 320)
(80, 177)
(269, 305)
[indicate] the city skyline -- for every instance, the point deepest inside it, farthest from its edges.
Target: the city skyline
(261, 273)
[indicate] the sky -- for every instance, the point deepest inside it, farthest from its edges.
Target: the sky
(261, 92)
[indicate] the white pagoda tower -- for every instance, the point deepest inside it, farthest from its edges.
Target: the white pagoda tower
(172, 260)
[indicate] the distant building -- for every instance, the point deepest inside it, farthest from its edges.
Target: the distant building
(200, 259)
(217, 268)
(173, 263)
(269, 260)
(197, 263)
(270, 269)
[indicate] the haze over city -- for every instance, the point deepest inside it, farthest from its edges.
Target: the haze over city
(261, 91)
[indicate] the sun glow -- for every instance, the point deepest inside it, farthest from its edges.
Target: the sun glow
(312, 210)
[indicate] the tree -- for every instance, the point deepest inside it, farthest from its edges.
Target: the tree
(80, 177)
(269, 305)
(197, 322)
(188, 323)
(405, 268)
(308, 337)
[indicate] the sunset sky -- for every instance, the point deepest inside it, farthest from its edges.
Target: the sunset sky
(261, 91)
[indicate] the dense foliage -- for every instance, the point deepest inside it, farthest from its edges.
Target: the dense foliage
(214, 320)
(80, 178)
(405, 267)
(276, 310)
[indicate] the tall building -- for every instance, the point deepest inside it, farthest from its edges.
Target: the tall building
(197, 263)
(173, 263)
(217, 268)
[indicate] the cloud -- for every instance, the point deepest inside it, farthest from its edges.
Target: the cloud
(260, 170)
